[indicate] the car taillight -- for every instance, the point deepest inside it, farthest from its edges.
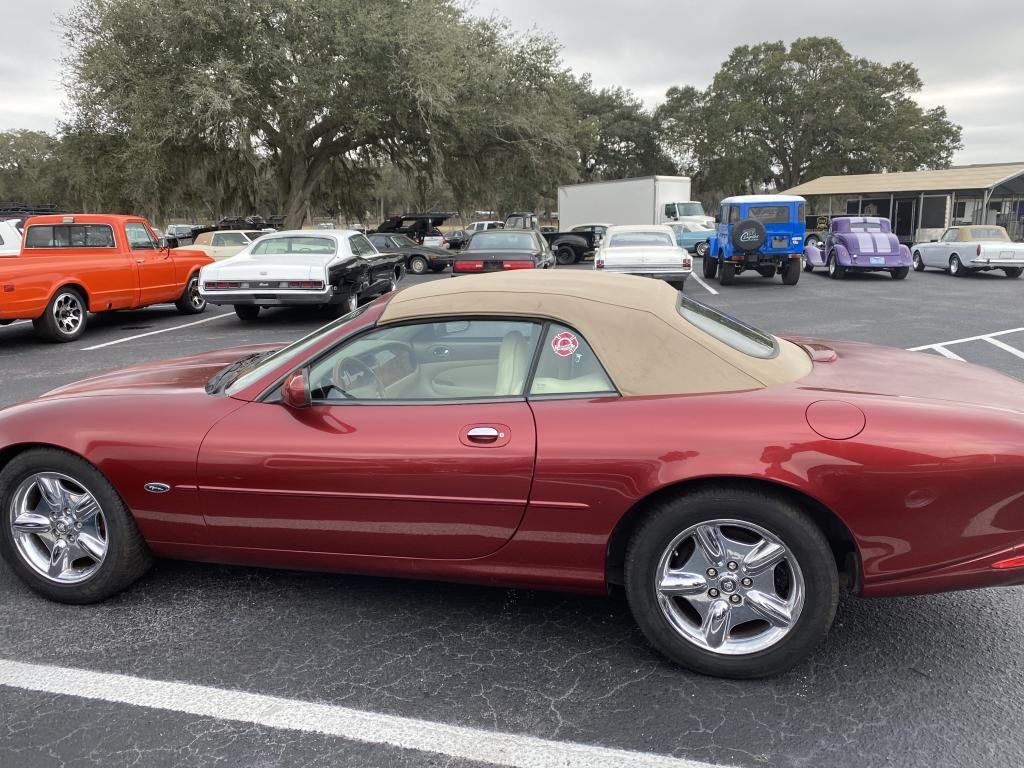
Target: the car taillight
(468, 266)
(1013, 562)
(688, 263)
(598, 263)
(517, 265)
(215, 285)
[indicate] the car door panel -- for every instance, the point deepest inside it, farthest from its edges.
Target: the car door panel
(383, 479)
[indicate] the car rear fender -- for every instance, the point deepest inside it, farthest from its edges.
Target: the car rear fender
(842, 254)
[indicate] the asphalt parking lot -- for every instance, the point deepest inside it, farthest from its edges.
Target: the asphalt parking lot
(927, 681)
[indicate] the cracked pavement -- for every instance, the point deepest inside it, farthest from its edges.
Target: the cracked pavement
(925, 681)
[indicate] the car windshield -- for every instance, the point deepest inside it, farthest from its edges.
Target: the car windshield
(989, 233)
(275, 246)
(244, 376)
(728, 329)
(499, 240)
(689, 209)
(627, 239)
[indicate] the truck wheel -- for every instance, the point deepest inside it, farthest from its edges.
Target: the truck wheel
(191, 301)
(565, 256)
(64, 318)
(767, 271)
(702, 248)
(710, 267)
(835, 270)
(247, 312)
(790, 272)
(727, 273)
(900, 273)
(418, 265)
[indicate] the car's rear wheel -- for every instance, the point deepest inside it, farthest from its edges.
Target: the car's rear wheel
(1013, 271)
(732, 583)
(900, 273)
(835, 270)
(790, 272)
(702, 248)
(65, 530)
(247, 312)
(418, 265)
(956, 267)
(710, 266)
(727, 273)
(191, 301)
(918, 262)
(64, 318)
(565, 256)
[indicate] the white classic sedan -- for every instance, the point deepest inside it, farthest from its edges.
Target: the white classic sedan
(649, 250)
(329, 269)
(971, 248)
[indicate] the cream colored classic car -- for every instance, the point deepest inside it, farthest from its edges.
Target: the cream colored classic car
(224, 243)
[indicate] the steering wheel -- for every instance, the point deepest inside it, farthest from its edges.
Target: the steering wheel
(349, 367)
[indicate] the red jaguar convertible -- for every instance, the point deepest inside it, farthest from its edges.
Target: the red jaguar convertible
(539, 429)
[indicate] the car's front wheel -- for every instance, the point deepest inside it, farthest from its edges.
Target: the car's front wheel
(191, 301)
(418, 265)
(732, 583)
(65, 530)
(1013, 271)
(702, 248)
(710, 267)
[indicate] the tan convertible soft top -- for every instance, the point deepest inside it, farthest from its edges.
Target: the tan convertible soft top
(632, 323)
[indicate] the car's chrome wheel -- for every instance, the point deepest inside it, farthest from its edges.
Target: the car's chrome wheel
(418, 265)
(956, 268)
(68, 313)
(58, 527)
(701, 249)
(730, 587)
(191, 301)
(918, 262)
(351, 302)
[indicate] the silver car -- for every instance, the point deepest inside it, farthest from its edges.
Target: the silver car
(971, 248)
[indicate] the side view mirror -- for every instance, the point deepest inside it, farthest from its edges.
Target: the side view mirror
(295, 390)
(718, 219)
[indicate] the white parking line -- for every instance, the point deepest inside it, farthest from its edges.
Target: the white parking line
(707, 287)
(162, 330)
(966, 338)
(1005, 347)
(941, 347)
(502, 749)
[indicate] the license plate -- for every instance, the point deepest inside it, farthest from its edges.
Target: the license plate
(780, 242)
(878, 260)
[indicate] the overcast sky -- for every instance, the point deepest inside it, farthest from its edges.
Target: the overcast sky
(970, 56)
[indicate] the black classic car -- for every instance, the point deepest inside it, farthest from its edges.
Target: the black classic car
(499, 250)
(419, 259)
(568, 247)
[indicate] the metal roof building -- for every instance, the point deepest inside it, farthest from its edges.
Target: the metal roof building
(921, 204)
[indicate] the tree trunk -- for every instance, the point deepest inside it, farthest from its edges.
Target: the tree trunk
(297, 177)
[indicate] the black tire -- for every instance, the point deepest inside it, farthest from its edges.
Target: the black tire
(792, 527)
(790, 272)
(766, 271)
(806, 264)
(726, 273)
(900, 273)
(956, 267)
(439, 268)
(247, 312)
(191, 303)
(677, 284)
(418, 265)
(702, 248)
(710, 266)
(565, 256)
(835, 270)
(127, 557)
(65, 317)
(1013, 272)
(748, 235)
(918, 262)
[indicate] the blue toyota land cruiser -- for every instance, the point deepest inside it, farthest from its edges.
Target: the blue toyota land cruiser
(760, 232)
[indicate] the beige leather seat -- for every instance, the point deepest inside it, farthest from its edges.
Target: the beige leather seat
(513, 364)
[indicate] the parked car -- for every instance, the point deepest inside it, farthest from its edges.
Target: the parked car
(420, 227)
(759, 232)
(693, 236)
(859, 244)
(480, 226)
(222, 244)
(568, 247)
(456, 239)
(598, 231)
(183, 233)
(498, 250)
(648, 250)
(498, 429)
(70, 265)
(10, 238)
(332, 270)
(418, 259)
(974, 248)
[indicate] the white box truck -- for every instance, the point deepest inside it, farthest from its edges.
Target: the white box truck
(644, 200)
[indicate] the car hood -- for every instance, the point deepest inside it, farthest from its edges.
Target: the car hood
(873, 370)
(175, 375)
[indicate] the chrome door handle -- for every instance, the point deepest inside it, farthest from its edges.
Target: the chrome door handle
(441, 351)
(483, 434)
(140, 261)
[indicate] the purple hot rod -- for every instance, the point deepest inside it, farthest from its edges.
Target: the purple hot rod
(861, 244)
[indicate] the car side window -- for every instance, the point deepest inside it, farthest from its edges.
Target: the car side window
(361, 246)
(139, 238)
(568, 366)
(951, 235)
(734, 214)
(435, 361)
(232, 238)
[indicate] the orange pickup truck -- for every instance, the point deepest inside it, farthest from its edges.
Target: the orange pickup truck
(70, 265)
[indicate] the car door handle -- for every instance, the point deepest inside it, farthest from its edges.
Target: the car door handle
(484, 434)
(441, 351)
(140, 261)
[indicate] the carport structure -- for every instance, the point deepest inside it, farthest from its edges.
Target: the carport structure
(921, 204)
